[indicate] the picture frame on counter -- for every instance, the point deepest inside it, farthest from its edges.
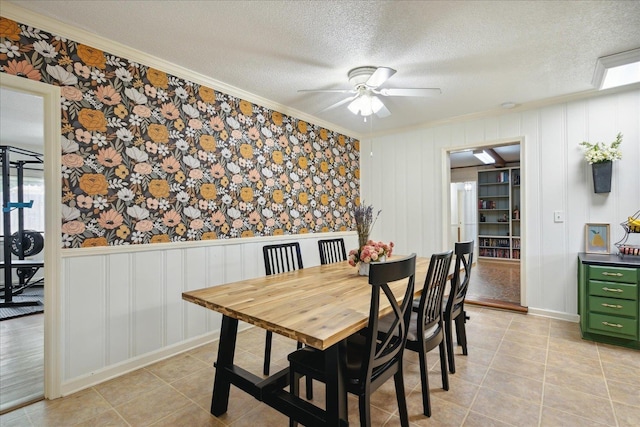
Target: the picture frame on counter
(597, 238)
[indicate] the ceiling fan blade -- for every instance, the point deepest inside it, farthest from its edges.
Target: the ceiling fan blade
(379, 76)
(339, 103)
(328, 90)
(410, 92)
(383, 112)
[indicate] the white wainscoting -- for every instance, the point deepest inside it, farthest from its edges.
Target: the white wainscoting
(123, 309)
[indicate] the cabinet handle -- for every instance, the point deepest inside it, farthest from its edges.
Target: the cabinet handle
(604, 304)
(612, 290)
(604, 273)
(613, 325)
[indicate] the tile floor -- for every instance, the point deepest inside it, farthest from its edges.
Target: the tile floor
(521, 370)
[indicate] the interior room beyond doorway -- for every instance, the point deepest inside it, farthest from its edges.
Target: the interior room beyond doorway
(496, 276)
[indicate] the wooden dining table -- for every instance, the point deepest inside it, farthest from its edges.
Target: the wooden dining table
(319, 306)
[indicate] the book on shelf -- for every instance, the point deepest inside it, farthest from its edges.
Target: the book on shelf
(486, 204)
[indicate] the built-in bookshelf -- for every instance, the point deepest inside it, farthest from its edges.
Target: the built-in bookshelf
(499, 208)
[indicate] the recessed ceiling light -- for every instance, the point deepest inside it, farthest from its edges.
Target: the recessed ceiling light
(616, 70)
(508, 105)
(484, 157)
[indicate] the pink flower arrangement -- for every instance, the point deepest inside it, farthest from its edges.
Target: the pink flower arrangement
(370, 252)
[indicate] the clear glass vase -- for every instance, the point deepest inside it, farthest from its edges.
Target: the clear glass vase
(363, 268)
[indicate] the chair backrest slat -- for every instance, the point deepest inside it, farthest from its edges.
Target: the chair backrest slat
(332, 250)
(461, 274)
(430, 308)
(282, 258)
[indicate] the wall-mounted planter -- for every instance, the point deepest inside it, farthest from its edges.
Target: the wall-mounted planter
(602, 176)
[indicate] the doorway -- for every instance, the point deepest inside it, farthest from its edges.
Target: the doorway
(49, 324)
(496, 276)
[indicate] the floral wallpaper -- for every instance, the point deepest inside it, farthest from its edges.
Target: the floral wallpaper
(148, 157)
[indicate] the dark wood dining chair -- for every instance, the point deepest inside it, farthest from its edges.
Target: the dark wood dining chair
(281, 258)
(454, 309)
(373, 355)
(332, 250)
(426, 328)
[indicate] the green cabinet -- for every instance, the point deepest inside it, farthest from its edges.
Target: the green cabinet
(608, 295)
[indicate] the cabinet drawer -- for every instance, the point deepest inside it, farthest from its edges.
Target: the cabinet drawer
(613, 325)
(613, 274)
(615, 290)
(620, 307)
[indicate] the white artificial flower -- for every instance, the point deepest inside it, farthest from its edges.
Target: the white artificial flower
(602, 152)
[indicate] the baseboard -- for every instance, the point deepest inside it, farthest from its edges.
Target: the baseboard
(119, 369)
(130, 365)
(569, 317)
(502, 305)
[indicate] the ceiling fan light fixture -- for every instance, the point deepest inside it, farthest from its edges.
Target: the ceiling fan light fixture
(355, 106)
(365, 105)
(484, 157)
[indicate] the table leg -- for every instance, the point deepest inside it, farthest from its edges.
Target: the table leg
(226, 351)
(336, 392)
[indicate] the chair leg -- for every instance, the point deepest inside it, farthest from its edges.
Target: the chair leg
(443, 366)
(294, 388)
(267, 352)
(461, 331)
(448, 332)
(364, 403)
(309, 388)
(424, 380)
(457, 322)
(402, 399)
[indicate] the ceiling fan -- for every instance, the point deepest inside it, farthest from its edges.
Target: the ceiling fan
(366, 83)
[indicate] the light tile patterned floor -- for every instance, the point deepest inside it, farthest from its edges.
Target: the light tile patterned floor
(521, 370)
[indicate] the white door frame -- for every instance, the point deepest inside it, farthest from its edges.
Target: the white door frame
(52, 231)
(446, 202)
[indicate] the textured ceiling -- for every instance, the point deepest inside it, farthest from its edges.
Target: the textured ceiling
(481, 54)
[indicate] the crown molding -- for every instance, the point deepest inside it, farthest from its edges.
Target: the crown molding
(496, 112)
(58, 28)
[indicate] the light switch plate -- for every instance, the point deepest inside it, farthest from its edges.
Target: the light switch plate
(558, 216)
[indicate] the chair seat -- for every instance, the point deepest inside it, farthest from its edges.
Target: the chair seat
(311, 361)
(412, 333)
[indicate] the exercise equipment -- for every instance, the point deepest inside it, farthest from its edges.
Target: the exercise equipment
(23, 243)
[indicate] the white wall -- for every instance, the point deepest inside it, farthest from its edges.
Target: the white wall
(123, 309)
(406, 178)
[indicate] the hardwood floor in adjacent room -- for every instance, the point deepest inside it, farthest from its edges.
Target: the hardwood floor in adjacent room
(495, 284)
(21, 361)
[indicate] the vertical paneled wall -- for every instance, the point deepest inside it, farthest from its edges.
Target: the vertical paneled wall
(124, 310)
(555, 177)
